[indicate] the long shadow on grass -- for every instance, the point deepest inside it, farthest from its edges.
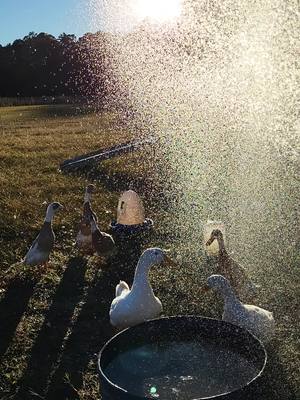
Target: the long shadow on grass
(47, 346)
(12, 308)
(91, 330)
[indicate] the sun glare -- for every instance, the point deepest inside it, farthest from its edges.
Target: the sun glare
(159, 10)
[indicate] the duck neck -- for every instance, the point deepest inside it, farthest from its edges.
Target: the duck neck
(49, 217)
(87, 197)
(229, 296)
(94, 226)
(141, 279)
(221, 244)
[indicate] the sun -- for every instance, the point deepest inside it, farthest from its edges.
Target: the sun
(158, 10)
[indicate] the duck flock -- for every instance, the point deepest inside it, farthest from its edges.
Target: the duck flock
(134, 305)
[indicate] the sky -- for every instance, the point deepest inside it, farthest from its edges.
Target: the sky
(19, 17)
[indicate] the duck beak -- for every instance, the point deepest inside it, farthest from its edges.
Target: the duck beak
(209, 242)
(169, 261)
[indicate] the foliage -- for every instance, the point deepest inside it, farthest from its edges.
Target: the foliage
(42, 65)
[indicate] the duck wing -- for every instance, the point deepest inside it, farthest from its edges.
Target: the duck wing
(88, 212)
(239, 279)
(121, 310)
(84, 227)
(103, 243)
(42, 246)
(261, 322)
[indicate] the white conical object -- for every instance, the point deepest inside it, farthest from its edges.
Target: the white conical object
(213, 249)
(130, 209)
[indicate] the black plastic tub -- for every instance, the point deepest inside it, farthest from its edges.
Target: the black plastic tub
(184, 328)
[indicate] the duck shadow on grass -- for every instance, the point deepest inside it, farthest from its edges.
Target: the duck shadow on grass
(47, 347)
(91, 331)
(57, 372)
(58, 361)
(12, 308)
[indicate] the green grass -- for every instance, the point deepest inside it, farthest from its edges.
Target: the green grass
(53, 324)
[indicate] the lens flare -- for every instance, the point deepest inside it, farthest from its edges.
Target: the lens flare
(158, 10)
(153, 390)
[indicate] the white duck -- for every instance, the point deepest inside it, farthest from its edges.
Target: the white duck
(258, 321)
(133, 306)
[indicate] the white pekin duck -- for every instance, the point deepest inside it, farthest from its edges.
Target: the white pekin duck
(133, 306)
(231, 270)
(39, 252)
(84, 235)
(256, 320)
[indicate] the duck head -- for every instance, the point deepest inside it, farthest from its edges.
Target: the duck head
(89, 190)
(155, 255)
(216, 234)
(52, 209)
(220, 284)
(87, 210)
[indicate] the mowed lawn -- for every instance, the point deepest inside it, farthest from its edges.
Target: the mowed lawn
(53, 324)
(41, 314)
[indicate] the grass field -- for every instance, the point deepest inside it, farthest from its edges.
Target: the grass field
(52, 325)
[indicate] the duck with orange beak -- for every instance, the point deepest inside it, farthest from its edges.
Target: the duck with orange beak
(133, 306)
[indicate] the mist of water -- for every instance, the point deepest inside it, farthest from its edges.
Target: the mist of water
(219, 89)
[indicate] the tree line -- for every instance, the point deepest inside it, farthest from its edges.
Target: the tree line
(42, 65)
